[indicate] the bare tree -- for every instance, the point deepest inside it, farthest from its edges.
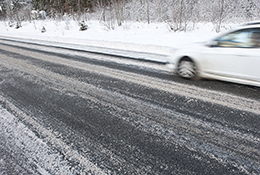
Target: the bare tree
(179, 14)
(118, 8)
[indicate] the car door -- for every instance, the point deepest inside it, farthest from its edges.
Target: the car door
(251, 65)
(235, 55)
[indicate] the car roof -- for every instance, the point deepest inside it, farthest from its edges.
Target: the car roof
(246, 26)
(255, 23)
(249, 25)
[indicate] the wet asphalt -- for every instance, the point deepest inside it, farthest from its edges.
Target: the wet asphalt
(125, 118)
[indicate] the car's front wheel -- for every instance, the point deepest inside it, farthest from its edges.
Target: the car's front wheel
(187, 69)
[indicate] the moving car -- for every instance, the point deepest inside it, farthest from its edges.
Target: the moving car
(233, 56)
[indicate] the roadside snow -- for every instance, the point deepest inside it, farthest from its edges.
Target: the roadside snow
(140, 37)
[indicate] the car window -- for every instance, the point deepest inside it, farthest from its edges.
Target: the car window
(255, 39)
(249, 38)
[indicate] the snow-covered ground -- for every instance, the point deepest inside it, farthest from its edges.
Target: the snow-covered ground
(142, 37)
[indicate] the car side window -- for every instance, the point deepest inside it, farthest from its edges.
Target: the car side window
(255, 39)
(238, 39)
(248, 38)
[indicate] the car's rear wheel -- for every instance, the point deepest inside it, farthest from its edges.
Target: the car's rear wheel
(187, 69)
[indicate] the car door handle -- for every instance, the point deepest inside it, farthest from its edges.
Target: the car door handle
(241, 55)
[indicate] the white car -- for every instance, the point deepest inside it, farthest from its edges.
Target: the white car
(233, 57)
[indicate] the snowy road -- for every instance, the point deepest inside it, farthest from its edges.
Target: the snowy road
(69, 112)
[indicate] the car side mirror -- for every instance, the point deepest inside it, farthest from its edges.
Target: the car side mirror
(214, 43)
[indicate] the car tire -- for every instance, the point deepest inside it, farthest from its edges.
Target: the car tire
(187, 69)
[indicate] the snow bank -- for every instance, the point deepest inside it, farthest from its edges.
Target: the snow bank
(141, 37)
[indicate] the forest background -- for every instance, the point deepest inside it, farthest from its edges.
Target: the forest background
(178, 14)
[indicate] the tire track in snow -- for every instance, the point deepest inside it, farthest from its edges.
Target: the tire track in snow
(29, 149)
(192, 92)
